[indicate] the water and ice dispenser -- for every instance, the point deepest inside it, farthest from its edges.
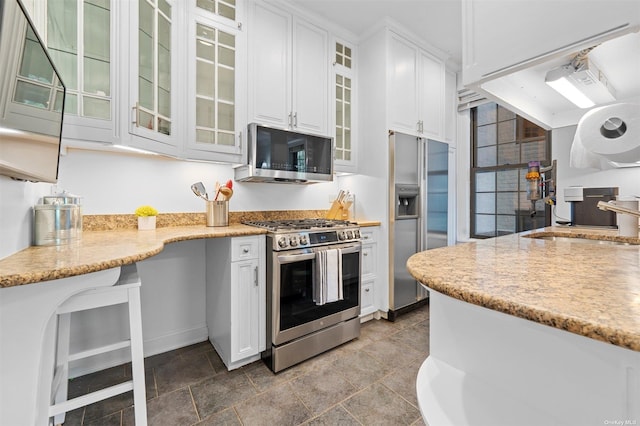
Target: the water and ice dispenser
(407, 201)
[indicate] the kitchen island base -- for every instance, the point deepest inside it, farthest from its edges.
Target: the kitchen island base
(487, 367)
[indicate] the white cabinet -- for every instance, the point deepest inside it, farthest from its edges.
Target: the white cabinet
(216, 68)
(450, 107)
(288, 71)
(500, 36)
(368, 290)
(183, 79)
(81, 42)
(416, 90)
(236, 298)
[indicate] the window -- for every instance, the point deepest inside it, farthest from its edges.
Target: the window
(344, 90)
(502, 145)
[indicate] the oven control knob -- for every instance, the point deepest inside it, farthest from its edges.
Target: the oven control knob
(293, 241)
(304, 240)
(282, 242)
(356, 233)
(349, 235)
(341, 235)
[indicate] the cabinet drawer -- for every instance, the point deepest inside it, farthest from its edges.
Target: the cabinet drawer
(245, 248)
(366, 297)
(368, 259)
(368, 236)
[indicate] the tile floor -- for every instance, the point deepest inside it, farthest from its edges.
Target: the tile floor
(368, 381)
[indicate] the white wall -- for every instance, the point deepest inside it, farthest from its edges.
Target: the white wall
(112, 182)
(627, 179)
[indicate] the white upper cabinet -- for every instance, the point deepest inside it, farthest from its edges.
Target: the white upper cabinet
(215, 70)
(80, 40)
(155, 122)
(500, 37)
(344, 110)
(403, 85)
(288, 71)
(416, 90)
(450, 107)
(431, 91)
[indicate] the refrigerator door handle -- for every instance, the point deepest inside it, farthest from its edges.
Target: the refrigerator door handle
(421, 197)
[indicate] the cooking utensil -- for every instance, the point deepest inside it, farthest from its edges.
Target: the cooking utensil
(226, 192)
(199, 189)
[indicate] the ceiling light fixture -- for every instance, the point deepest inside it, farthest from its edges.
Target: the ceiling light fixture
(584, 85)
(558, 79)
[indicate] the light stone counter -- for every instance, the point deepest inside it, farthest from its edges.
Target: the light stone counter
(589, 289)
(531, 331)
(99, 250)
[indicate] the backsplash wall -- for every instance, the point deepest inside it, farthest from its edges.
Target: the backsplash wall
(112, 182)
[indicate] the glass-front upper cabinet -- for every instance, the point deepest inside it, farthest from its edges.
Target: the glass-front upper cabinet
(78, 35)
(215, 57)
(153, 64)
(343, 66)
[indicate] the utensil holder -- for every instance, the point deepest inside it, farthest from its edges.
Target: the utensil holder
(217, 213)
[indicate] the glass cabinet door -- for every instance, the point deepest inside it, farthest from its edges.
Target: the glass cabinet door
(78, 35)
(153, 108)
(343, 80)
(213, 89)
(215, 86)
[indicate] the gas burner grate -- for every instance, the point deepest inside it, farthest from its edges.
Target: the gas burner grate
(299, 224)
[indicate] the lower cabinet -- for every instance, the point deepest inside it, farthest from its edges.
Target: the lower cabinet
(236, 298)
(368, 306)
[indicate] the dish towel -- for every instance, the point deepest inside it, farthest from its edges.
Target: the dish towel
(328, 282)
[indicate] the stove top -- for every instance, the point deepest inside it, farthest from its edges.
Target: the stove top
(306, 233)
(300, 224)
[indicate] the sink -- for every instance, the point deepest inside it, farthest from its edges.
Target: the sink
(578, 240)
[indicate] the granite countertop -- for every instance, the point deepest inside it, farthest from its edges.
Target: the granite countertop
(98, 250)
(109, 241)
(588, 289)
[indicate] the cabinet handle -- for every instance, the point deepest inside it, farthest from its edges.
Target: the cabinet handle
(290, 119)
(136, 114)
(245, 250)
(240, 139)
(255, 276)
(367, 290)
(365, 254)
(295, 119)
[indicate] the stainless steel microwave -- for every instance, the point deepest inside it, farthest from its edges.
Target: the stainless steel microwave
(277, 155)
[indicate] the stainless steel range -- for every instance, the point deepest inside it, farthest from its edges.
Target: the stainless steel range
(313, 288)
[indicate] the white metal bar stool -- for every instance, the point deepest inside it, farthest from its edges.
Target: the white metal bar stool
(126, 290)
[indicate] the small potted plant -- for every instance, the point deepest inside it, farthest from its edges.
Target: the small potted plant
(146, 217)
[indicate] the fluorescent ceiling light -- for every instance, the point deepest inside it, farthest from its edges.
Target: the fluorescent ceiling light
(558, 79)
(585, 86)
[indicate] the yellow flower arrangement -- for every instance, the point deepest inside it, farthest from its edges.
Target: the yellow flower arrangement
(144, 211)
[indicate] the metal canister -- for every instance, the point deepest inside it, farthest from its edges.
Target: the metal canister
(67, 198)
(55, 224)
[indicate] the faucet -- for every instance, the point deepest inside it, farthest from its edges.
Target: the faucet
(618, 209)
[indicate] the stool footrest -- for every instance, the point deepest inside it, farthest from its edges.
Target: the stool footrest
(90, 398)
(100, 350)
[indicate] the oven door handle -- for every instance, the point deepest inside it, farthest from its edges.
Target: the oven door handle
(295, 257)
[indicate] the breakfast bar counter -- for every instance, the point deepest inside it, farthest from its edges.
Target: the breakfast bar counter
(541, 327)
(103, 249)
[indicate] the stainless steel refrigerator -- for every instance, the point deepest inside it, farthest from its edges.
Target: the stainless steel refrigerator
(418, 189)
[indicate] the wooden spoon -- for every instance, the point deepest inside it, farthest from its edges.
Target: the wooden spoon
(226, 192)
